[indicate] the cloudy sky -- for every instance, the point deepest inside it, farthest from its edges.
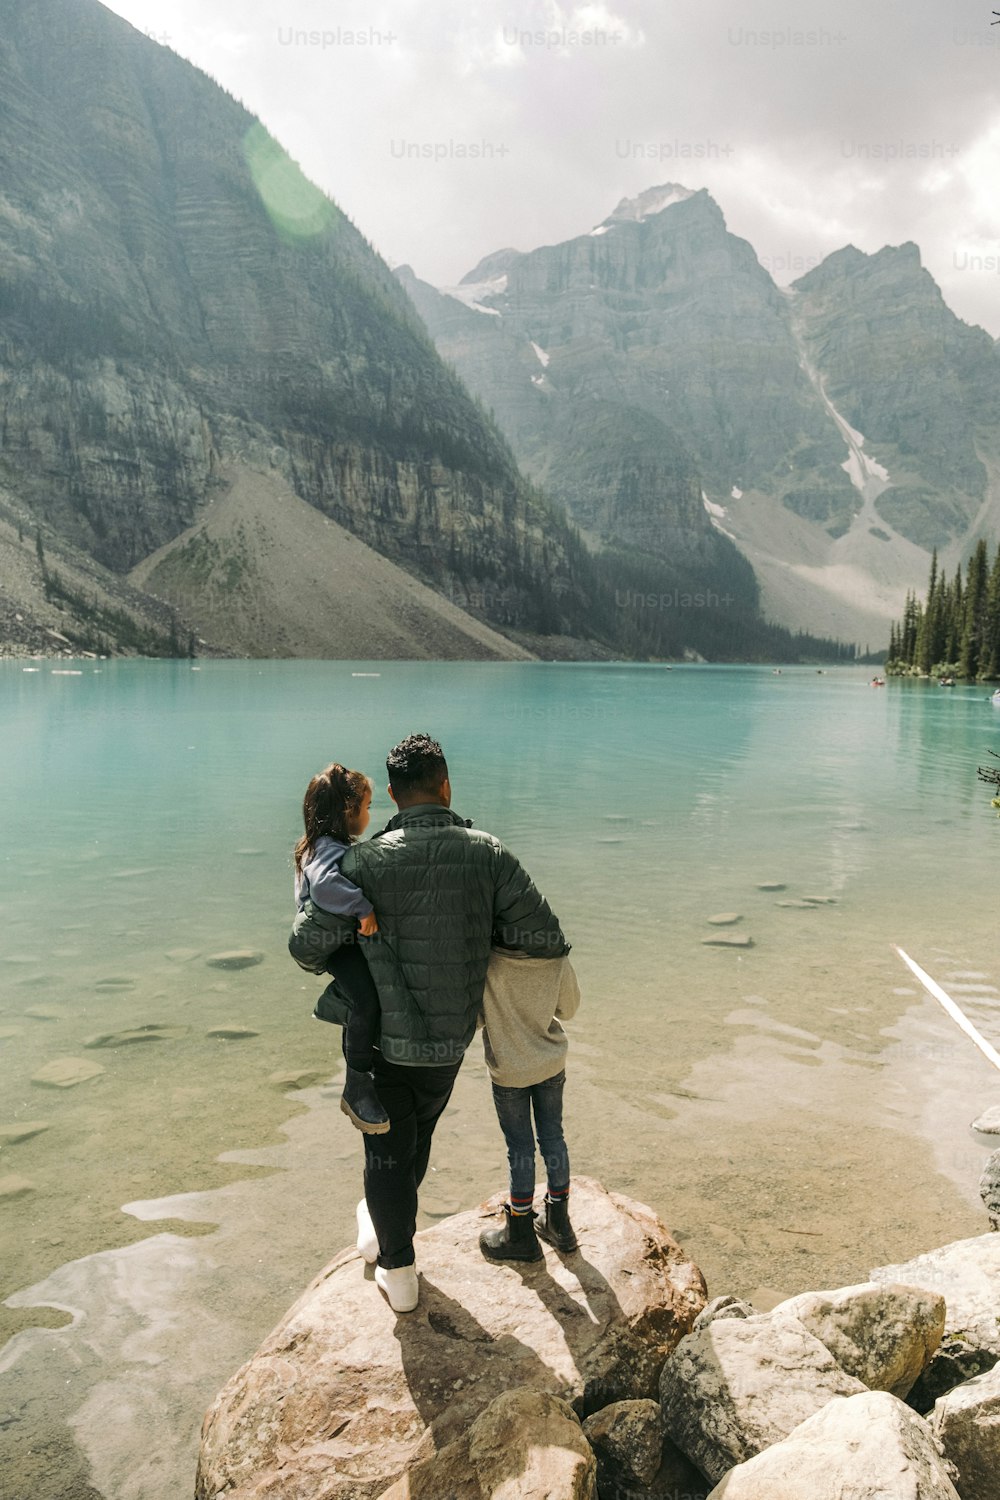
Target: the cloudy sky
(449, 129)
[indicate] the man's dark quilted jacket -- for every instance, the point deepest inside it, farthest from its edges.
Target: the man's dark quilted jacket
(443, 892)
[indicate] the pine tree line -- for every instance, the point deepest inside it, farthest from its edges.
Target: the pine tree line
(956, 631)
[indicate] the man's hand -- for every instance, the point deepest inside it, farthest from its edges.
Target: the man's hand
(369, 925)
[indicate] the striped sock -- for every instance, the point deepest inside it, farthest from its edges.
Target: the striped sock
(521, 1206)
(558, 1195)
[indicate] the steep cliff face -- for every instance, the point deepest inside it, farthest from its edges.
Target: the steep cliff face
(653, 377)
(921, 384)
(174, 295)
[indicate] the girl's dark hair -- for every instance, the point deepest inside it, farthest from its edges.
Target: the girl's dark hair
(330, 800)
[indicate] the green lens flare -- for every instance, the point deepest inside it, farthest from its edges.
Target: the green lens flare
(294, 205)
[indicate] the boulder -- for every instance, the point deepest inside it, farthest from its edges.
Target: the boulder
(66, 1073)
(966, 1422)
(345, 1398)
(741, 1384)
(627, 1437)
(989, 1189)
(855, 1449)
(236, 958)
(883, 1334)
(955, 1362)
(723, 1307)
(988, 1123)
(526, 1445)
(967, 1275)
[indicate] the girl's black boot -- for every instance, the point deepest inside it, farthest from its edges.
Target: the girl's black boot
(514, 1241)
(554, 1227)
(361, 1103)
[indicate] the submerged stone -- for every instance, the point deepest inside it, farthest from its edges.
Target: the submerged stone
(729, 940)
(66, 1072)
(152, 1033)
(239, 958)
(771, 885)
(45, 1013)
(725, 918)
(116, 982)
(10, 1135)
(232, 1033)
(304, 1078)
(14, 1186)
(800, 905)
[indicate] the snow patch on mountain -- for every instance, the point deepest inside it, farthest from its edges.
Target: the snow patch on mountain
(543, 355)
(716, 513)
(735, 493)
(652, 201)
(602, 229)
(471, 293)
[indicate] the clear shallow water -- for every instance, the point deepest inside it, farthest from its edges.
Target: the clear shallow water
(797, 1111)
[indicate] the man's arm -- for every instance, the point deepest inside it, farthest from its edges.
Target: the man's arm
(522, 918)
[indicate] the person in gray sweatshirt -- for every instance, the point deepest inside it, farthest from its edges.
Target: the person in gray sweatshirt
(523, 1004)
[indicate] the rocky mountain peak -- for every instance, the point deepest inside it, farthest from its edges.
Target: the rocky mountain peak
(652, 200)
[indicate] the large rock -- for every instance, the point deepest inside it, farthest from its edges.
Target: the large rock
(884, 1335)
(627, 1437)
(967, 1424)
(345, 1397)
(526, 1445)
(741, 1384)
(955, 1362)
(989, 1189)
(868, 1447)
(967, 1275)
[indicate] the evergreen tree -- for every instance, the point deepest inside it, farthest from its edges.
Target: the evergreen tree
(990, 660)
(973, 613)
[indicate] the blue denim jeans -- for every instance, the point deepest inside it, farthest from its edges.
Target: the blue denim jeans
(514, 1111)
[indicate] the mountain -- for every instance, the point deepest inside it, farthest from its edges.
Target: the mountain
(175, 297)
(196, 344)
(652, 375)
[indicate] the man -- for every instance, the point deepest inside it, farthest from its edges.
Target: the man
(442, 891)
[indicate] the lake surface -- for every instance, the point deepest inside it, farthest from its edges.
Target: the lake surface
(796, 1111)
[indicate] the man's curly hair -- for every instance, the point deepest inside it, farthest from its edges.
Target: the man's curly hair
(416, 765)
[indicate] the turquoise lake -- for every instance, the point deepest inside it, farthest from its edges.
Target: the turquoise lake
(796, 1111)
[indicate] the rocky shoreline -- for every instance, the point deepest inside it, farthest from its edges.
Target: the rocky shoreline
(607, 1375)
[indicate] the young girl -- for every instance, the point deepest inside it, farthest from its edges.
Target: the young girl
(524, 1000)
(336, 813)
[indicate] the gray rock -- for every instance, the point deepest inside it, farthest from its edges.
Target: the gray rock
(884, 1335)
(238, 958)
(628, 1440)
(347, 1398)
(527, 1445)
(741, 1384)
(771, 885)
(232, 1033)
(14, 1186)
(988, 1123)
(725, 918)
(966, 1422)
(11, 1135)
(66, 1073)
(797, 904)
(723, 1307)
(729, 940)
(867, 1447)
(967, 1275)
(955, 1362)
(989, 1189)
(154, 1032)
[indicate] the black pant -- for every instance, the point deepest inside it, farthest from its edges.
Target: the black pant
(395, 1163)
(349, 968)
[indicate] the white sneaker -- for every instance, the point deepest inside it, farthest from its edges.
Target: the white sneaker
(400, 1286)
(367, 1238)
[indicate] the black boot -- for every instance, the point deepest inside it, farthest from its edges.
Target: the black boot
(361, 1103)
(554, 1227)
(515, 1241)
